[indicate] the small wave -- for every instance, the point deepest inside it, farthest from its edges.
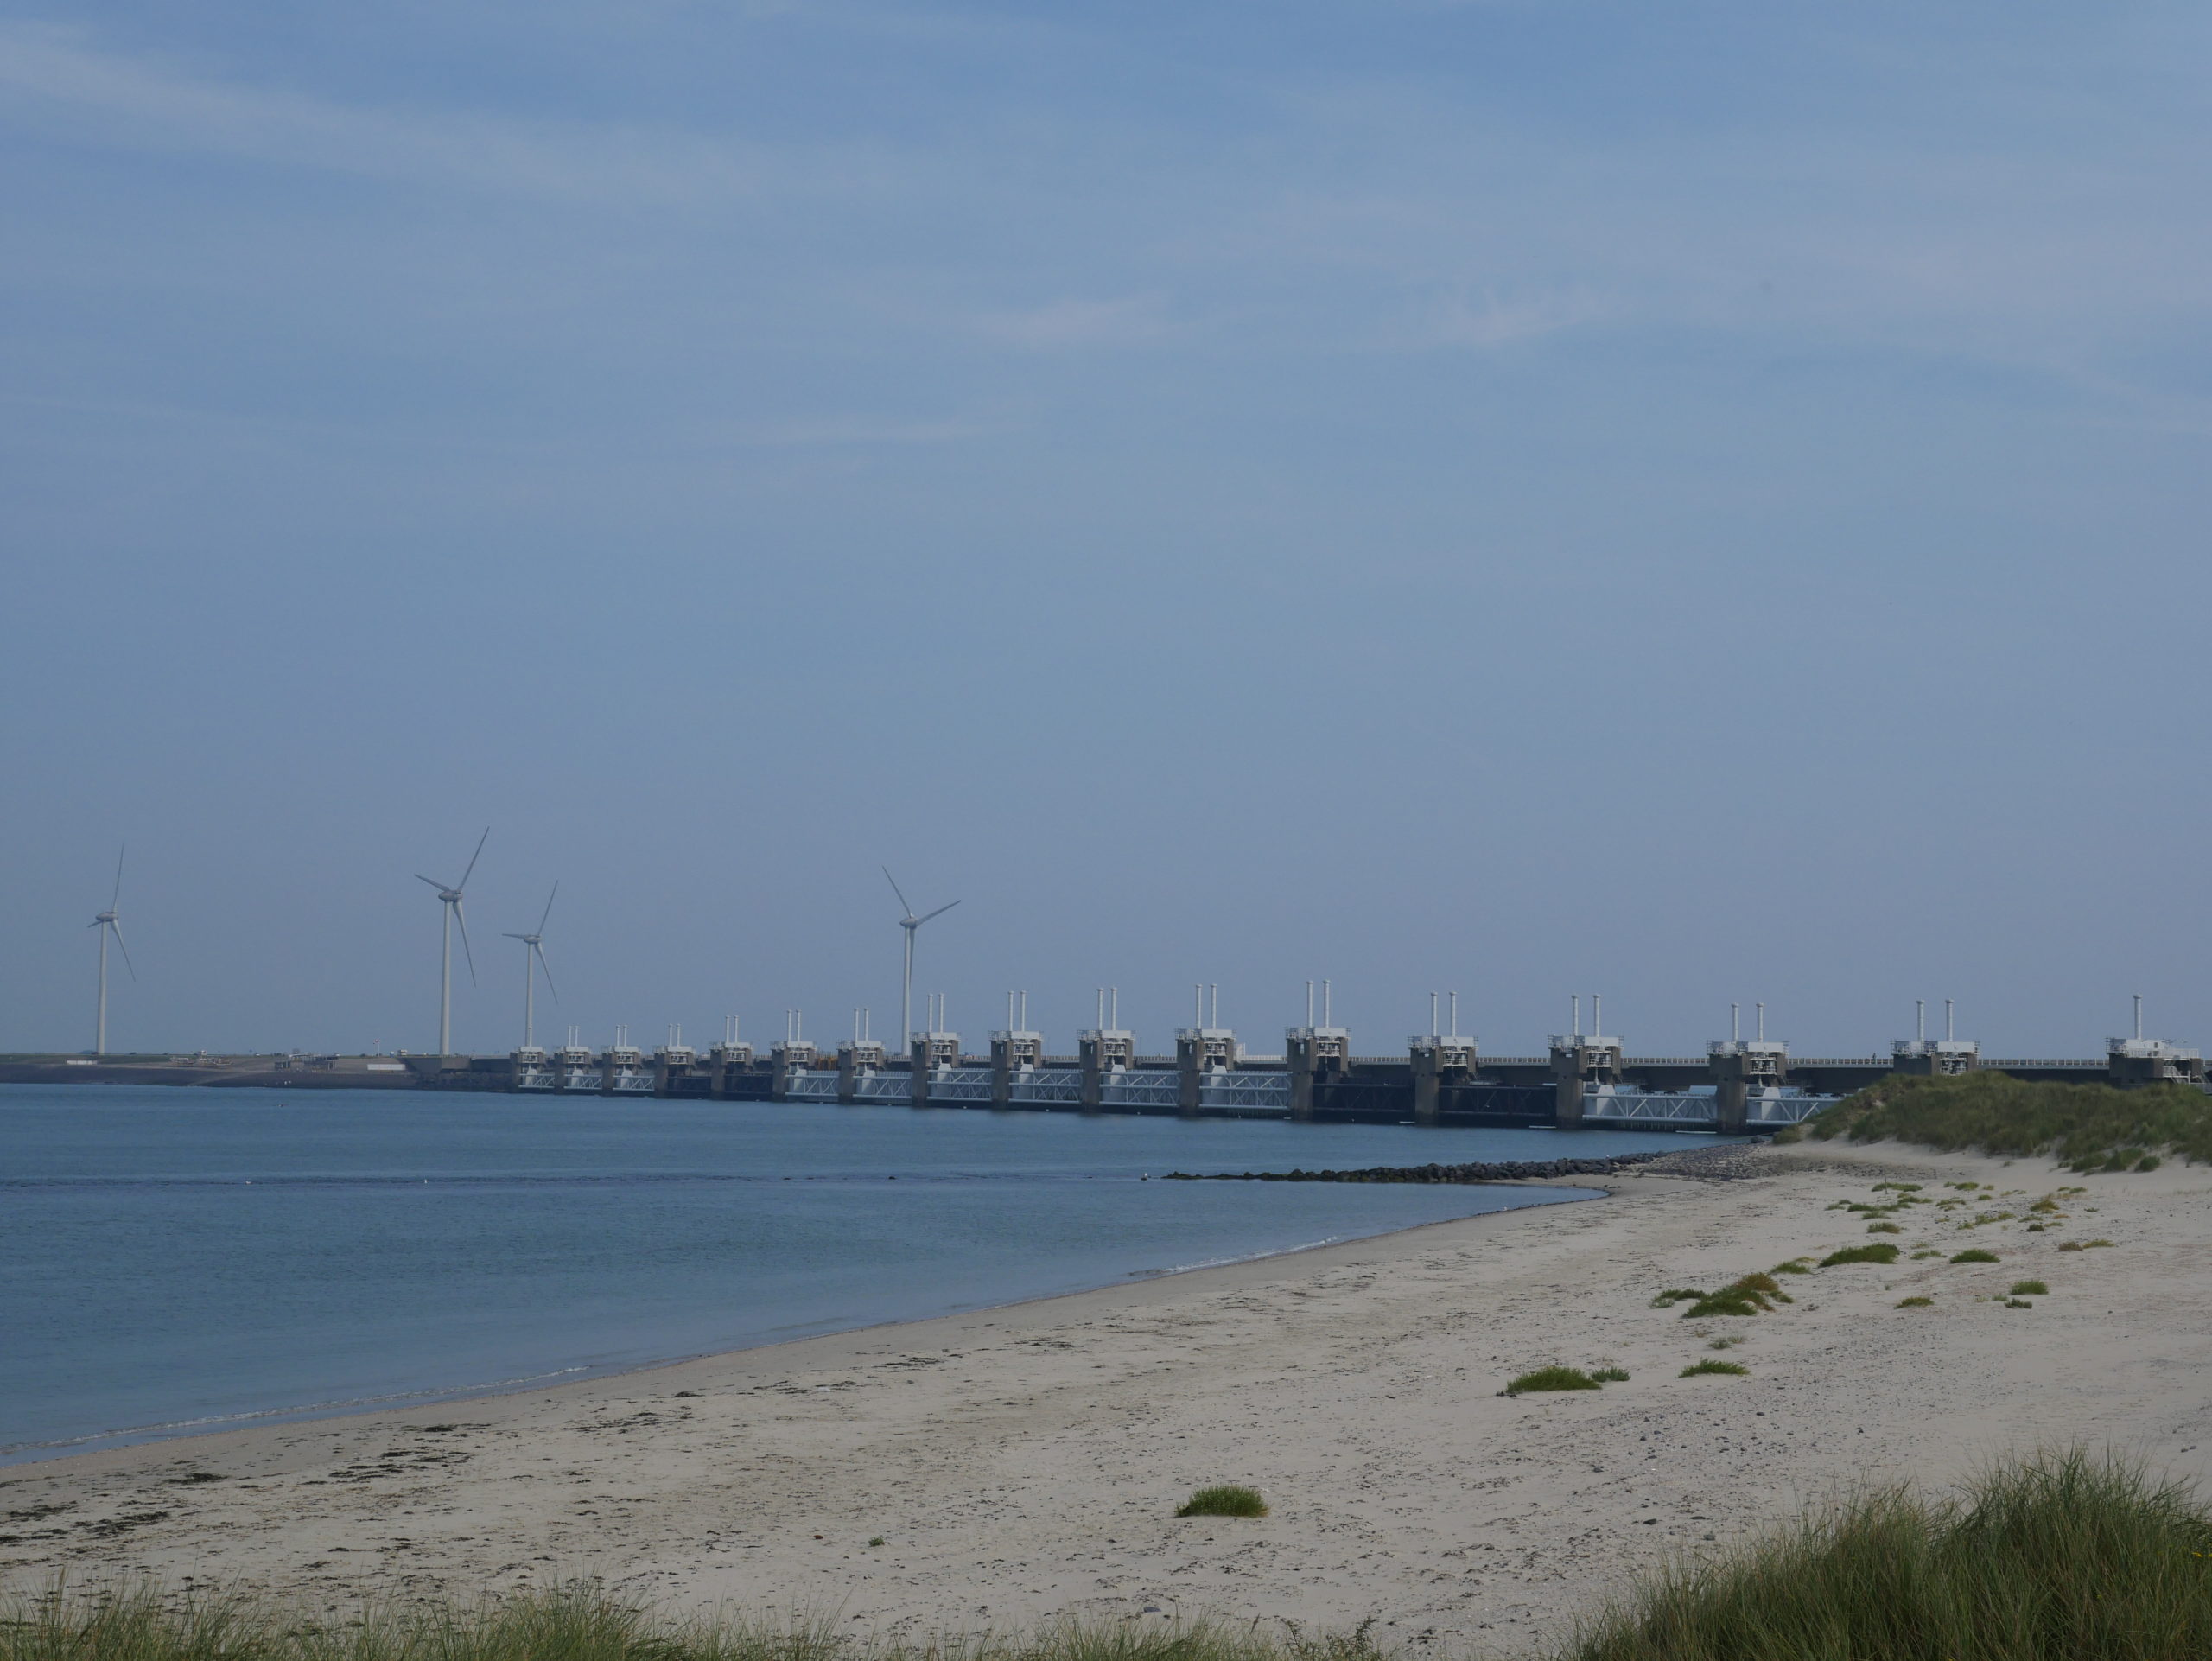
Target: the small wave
(1241, 1257)
(222, 1420)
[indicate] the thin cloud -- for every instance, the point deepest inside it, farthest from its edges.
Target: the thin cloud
(1078, 322)
(1488, 320)
(53, 80)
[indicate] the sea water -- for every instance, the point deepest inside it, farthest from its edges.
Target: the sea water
(183, 1259)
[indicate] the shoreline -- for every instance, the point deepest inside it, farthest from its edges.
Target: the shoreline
(37, 1454)
(1021, 1464)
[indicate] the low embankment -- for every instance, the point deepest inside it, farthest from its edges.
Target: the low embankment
(2087, 1127)
(1507, 1170)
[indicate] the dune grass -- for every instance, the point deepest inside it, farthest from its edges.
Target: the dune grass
(1735, 1369)
(2061, 1558)
(1882, 1252)
(2089, 1127)
(1748, 1295)
(1553, 1378)
(2030, 1290)
(583, 1622)
(1916, 1303)
(1974, 1255)
(1224, 1499)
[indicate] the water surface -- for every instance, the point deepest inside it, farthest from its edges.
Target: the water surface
(185, 1258)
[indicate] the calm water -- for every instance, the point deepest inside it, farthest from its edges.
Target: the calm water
(182, 1259)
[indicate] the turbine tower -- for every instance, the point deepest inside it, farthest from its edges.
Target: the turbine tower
(110, 922)
(449, 893)
(910, 923)
(533, 959)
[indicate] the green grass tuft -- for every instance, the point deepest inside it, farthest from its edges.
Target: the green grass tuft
(2030, 1290)
(1916, 1303)
(1552, 1378)
(2083, 1245)
(1974, 1255)
(1734, 1369)
(1884, 1228)
(1735, 1305)
(1882, 1253)
(1794, 1266)
(1224, 1499)
(1675, 1294)
(1610, 1376)
(2062, 1558)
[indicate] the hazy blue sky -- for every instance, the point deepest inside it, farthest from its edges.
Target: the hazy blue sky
(1693, 502)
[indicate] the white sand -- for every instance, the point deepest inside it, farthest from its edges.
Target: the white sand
(1023, 1462)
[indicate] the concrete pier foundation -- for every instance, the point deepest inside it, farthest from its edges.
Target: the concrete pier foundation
(1738, 1067)
(728, 1057)
(1581, 1063)
(857, 1057)
(928, 1052)
(794, 1055)
(1200, 1051)
(2132, 1061)
(1100, 1052)
(1438, 1061)
(1013, 1051)
(1313, 1056)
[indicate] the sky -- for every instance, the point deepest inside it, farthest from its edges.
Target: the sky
(1694, 504)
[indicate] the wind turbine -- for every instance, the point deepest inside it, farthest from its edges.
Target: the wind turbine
(450, 893)
(109, 922)
(910, 923)
(533, 959)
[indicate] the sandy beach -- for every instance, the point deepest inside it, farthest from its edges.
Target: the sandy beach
(1024, 1462)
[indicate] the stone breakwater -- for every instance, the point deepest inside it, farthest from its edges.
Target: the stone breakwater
(1509, 1170)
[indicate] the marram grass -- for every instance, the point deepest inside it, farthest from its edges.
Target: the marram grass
(2091, 1127)
(2061, 1558)
(582, 1622)
(2066, 1558)
(1553, 1377)
(1224, 1499)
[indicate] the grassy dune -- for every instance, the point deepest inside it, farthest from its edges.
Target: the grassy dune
(2090, 1127)
(2066, 1559)
(2061, 1559)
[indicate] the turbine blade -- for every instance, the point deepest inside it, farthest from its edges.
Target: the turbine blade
(458, 918)
(549, 908)
(118, 895)
(124, 949)
(548, 968)
(432, 881)
(473, 858)
(896, 889)
(939, 912)
(514, 937)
